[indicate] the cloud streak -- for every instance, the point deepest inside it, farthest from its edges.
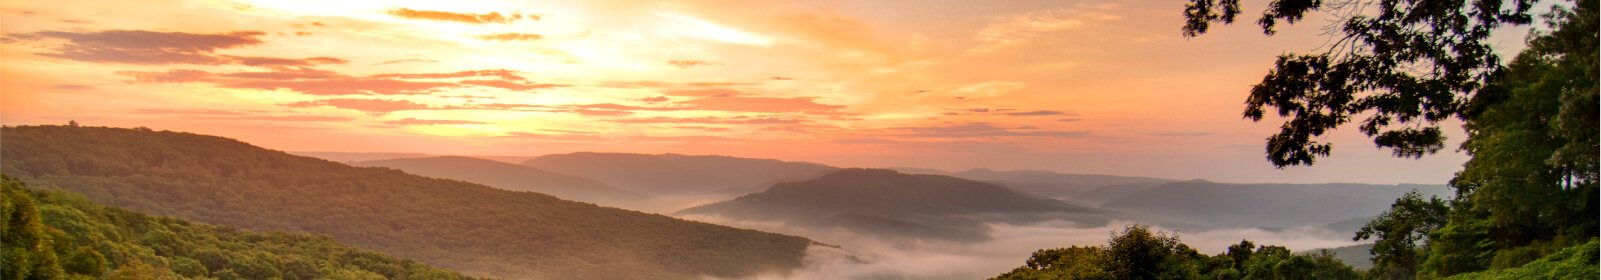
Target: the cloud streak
(468, 18)
(142, 47)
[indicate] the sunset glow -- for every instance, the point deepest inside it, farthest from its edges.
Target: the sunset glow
(1107, 87)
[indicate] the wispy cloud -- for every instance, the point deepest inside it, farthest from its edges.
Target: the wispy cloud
(140, 46)
(469, 18)
(508, 37)
(416, 121)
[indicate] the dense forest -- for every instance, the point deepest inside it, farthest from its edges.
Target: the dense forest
(1137, 252)
(471, 228)
(57, 234)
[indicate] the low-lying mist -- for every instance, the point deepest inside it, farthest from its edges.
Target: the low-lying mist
(875, 257)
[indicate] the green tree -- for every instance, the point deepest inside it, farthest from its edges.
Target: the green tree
(1406, 64)
(1137, 253)
(1400, 231)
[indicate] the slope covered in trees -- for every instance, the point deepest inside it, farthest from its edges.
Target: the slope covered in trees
(471, 228)
(1138, 253)
(672, 174)
(889, 203)
(57, 234)
(511, 177)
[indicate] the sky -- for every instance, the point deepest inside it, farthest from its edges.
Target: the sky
(1103, 87)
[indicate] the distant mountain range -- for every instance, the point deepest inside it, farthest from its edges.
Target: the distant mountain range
(1265, 205)
(888, 203)
(511, 177)
(471, 228)
(674, 174)
(1088, 189)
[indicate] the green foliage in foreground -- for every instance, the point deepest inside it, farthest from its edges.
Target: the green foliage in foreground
(56, 234)
(1136, 253)
(1577, 262)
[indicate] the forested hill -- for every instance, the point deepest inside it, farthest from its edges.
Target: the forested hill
(670, 174)
(511, 177)
(466, 227)
(57, 234)
(886, 202)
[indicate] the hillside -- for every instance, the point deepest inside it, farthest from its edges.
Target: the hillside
(889, 203)
(80, 240)
(511, 177)
(673, 174)
(1264, 205)
(1089, 189)
(471, 228)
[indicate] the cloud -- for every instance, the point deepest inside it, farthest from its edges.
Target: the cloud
(1070, 120)
(416, 121)
(419, 60)
(285, 73)
(509, 85)
(375, 107)
(557, 137)
(1183, 134)
(492, 17)
(143, 47)
(171, 76)
(508, 37)
(347, 86)
(275, 61)
(710, 120)
(1035, 113)
(686, 64)
(654, 99)
(1017, 29)
(696, 139)
(498, 73)
(980, 129)
(293, 118)
(198, 112)
(71, 87)
(714, 129)
(718, 92)
(720, 84)
(762, 104)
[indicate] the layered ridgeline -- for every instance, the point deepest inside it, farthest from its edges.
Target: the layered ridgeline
(888, 203)
(511, 177)
(57, 234)
(466, 227)
(1088, 189)
(1265, 205)
(673, 174)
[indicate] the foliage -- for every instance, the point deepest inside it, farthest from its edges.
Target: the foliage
(1137, 253)
(89, 241)
(1402, 230)
(1407, 65)
(460, 226)
(1576, 262)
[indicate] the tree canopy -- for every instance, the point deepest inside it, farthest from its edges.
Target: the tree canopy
(1530, 188)
(1405, 65)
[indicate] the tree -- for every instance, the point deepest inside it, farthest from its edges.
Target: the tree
(1401, 230)
(1407, 64)
(1137, 253)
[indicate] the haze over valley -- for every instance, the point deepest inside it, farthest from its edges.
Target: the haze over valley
(799, 140)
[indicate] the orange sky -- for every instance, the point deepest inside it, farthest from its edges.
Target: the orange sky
(1074, 86)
